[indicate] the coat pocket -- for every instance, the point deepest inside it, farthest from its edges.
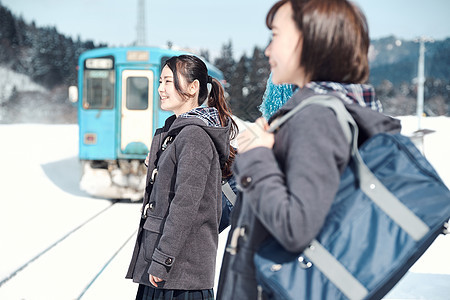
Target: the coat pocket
(153, 228)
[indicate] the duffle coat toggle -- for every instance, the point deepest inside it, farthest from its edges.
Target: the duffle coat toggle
(166, 142)
(151, 205)
(238, 232)
(153, 176)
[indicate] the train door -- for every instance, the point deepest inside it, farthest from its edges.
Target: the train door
(136, 111)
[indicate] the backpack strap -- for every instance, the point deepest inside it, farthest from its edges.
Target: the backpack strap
(226, 188)
(229, 193)
(325, 100)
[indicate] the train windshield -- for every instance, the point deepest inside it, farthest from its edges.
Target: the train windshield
(137, 93)
(98, 89)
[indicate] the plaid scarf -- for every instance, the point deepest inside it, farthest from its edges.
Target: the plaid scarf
(209, 115)
(362, 94)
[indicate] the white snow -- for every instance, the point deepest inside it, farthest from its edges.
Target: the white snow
(41, 203)
(12, 79)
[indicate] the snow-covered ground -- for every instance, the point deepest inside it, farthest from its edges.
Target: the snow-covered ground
(58, 243)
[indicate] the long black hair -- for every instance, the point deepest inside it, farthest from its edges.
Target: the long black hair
(193, 68)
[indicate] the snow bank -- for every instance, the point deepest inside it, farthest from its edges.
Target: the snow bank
(12, 80)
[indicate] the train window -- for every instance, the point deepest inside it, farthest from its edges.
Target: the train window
(137, 93)
(99, 89)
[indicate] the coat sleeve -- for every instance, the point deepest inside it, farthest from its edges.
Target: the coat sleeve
(194, 155)
(291, 188)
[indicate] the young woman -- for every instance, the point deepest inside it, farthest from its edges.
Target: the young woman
(289, 179)
(175, 251)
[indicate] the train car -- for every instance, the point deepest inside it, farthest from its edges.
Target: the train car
(118, 113)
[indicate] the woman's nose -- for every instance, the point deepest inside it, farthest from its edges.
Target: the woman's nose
(267, 50)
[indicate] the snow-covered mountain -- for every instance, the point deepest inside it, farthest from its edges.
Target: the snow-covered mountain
(24, 101)
(12, 82)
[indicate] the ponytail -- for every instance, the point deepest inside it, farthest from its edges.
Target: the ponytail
(193, 68)
(217, 99)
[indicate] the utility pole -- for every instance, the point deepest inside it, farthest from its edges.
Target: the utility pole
(418, 136)
(140, 27)
(421, 79)
(420, 83)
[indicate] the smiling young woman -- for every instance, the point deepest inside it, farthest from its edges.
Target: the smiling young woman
(175, 251)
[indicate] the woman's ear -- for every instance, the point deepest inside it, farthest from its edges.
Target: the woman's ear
(194, 87)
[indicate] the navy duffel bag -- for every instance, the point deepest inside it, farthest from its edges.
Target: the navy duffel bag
(391, 205)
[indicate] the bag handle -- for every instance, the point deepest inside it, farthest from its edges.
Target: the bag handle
(229, 193)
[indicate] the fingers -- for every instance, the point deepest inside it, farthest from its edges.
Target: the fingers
(146, 159)
(262, 123)
(255, 136)
(154, 280)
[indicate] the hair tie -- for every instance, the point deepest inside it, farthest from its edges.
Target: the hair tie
(209, 79)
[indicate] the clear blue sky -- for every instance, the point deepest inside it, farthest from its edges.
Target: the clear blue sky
(208, 24)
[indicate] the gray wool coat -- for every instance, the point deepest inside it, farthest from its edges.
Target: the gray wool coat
(287, 191)
(177, 240)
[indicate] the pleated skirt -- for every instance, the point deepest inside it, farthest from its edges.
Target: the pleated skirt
(149, 293)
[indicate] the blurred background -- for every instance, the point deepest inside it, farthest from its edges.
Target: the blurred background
(40, 42)
(61, 235)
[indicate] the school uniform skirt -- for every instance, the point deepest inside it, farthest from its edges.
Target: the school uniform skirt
(149, 293)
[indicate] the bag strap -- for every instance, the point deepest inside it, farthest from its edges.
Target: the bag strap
(226, 188)
(228, 192)
(318, 99)
(368, 182)
(370, 185)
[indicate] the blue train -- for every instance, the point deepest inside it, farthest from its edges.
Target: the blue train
(118, 112)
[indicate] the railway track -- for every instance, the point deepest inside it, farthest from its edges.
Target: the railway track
(86, 225)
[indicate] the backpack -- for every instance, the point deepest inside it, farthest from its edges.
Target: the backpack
(229, 191)
(390, 206)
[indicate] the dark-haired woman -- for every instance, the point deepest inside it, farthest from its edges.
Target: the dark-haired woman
(175, 251)
(289, 179)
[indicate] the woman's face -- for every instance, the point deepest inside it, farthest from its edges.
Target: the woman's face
(284, 50)
(170, 99)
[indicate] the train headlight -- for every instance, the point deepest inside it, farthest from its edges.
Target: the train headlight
(90, 139)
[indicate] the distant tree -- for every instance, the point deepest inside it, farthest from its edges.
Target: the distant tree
(238, 83)
(8, 38)
(69, 62)
(7, 26)
(437, 96)
(225, 62)
(257, 79)
(437, 64)
(205, 54)
(239, 79)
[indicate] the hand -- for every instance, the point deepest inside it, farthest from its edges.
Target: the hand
(255, 135)
(154, 280)
(147, 158)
